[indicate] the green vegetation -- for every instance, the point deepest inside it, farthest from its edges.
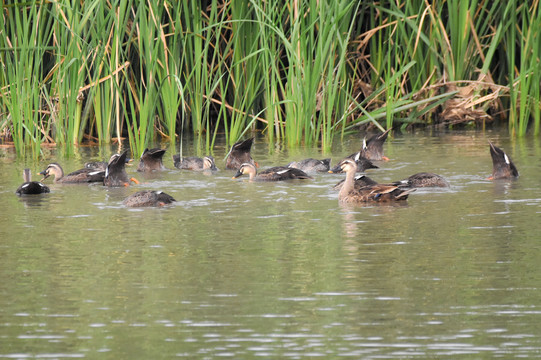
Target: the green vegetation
(299, 71)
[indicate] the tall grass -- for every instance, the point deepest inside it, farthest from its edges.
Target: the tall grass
(298, 72)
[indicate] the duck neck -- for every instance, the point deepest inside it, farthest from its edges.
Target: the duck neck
(349, 183)
(26, 175)
(253, 173)
(58, 175)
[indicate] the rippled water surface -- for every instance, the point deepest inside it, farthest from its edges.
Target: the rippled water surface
(278, 270)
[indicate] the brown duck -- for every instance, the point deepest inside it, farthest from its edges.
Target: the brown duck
(277, 173)
(311, 165)
(151, 160)
(115, 174)
(372, 148)
(361, 162)
(423, 179)
(84, 175)
(194, 163)
(502, 166)
(148, 198)
(240, 154)
(369, 193)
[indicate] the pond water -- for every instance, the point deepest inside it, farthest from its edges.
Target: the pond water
(278, 270)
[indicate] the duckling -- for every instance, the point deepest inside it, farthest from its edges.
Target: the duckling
(311, 165)
(373, 147)
(423, 179)
(362, 163)
(502, 166)
(359, 182)
(83, 175)
(30, 187)
(148, 198)
(369, 193)
(115, 174)
(277, 173)
(151, 160)
(240, 154)
(194, 163)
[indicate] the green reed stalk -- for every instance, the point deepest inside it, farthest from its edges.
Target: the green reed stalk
(266, 15)
(528, 75)
(144, 93)
(24, 58)
(194, 54)
(71, 57)
(108, 65)
(168, 71)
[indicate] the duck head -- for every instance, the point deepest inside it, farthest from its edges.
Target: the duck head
(244, 169)
(52, 169)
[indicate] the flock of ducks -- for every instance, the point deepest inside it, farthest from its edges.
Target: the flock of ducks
(353, 189)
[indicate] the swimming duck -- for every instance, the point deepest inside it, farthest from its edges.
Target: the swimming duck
(101, 165)
(359, 182)
(502, 166)
(240, 154)
(311, 165)
(96, 165)
(148, 198)
(83, 175)
(30, 187)
(362, 163)
(115, 174)
(369, 193)
(423, 179)
(194, 163)
(151, 160)
(372, 148)
(277, 173)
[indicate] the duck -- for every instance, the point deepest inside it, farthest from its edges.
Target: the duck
(359, 182)
(84, 175)
(422, 179)
(96, 165)
(148, 198)
(370, 193)
(372, 148)
(30, 187)
(311, 165)
(362, 163)
(151, 160)
(240, 154)
(101, 165)
(502, 166)
(115, 174)
(277, 173)
(194, 163)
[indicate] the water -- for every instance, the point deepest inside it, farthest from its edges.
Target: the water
(278, 270)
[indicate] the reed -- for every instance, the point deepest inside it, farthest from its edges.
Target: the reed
(299, 72)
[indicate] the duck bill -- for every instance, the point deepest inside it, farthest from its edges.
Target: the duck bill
(237, 175)
(45, 174)
(336, 170)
